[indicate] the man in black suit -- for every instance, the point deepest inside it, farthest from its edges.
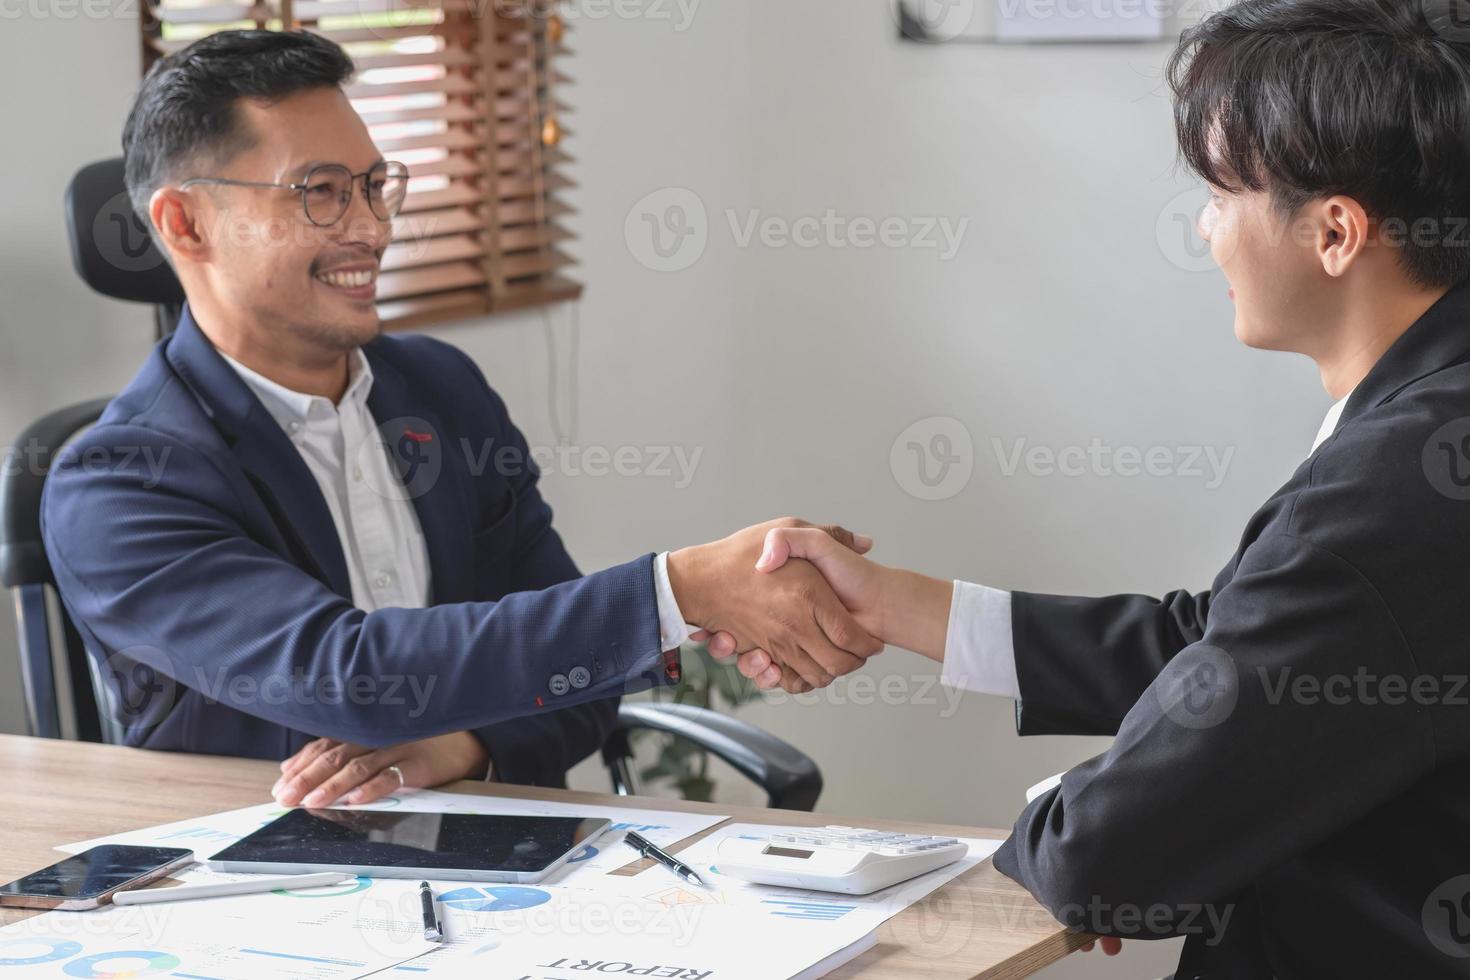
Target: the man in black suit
(1289, 786)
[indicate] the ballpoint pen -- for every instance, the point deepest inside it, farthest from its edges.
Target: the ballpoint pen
(248, 886)
(646, 848)
(433, 931)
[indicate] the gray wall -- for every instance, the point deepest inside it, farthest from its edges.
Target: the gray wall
(1072, 311)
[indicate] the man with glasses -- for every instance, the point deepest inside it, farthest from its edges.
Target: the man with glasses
(320, 571)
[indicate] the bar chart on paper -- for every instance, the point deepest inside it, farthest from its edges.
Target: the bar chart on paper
(811, 911)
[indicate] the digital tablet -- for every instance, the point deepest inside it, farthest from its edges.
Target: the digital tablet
(397, 844)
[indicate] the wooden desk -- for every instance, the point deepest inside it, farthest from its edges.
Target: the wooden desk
(980, 925)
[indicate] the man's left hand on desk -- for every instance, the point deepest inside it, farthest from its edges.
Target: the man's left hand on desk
(327, 771)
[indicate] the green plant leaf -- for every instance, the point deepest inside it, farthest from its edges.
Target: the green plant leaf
(658, 771)
(698, 789)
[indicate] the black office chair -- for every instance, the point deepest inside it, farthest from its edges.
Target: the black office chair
(114, 253)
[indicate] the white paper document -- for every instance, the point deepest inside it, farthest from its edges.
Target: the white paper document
(571, 933)
(335, 933)
(373, 928)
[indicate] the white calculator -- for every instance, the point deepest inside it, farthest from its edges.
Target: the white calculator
(849, 860)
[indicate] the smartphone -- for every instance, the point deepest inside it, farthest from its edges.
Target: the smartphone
(89, 879)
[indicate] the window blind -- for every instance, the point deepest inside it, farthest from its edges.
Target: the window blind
(464, 93)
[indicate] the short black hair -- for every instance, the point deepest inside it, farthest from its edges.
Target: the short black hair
(185, 113)
(1311, 98)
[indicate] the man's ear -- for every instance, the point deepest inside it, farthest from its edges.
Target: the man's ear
(1343, 233)
(177, 218)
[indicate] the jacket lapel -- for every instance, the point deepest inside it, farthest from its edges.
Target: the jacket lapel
(434, 477)
(268, 456)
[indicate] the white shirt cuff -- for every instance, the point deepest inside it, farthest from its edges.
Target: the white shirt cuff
(673, 632)
(979, 651)
(1045, 786)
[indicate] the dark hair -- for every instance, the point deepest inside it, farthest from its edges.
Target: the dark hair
(1311, 98)
(185, 113)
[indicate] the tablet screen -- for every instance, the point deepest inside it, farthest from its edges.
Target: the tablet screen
(388, 839)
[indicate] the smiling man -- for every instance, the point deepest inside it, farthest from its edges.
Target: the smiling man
(317, 574)
(1289, 782)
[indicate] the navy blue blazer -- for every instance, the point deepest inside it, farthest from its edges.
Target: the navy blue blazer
(196, 554)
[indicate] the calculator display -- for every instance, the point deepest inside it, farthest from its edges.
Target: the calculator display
(786, 852)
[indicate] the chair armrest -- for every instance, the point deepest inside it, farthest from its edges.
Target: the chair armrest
(790, 778)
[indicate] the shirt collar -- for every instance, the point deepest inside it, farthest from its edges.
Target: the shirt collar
(287, 406)
(1329, 424)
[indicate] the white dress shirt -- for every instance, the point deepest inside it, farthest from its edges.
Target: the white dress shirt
(382, 542)
(979, 649)
(672, 629)
(1329, 424)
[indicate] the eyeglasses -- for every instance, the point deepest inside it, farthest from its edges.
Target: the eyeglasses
(326, 191)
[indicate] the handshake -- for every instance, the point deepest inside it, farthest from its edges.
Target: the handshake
(799, 604)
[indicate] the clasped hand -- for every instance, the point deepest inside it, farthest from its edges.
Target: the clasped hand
(797, 624)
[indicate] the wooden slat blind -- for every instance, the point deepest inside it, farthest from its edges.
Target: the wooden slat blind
(464, 94)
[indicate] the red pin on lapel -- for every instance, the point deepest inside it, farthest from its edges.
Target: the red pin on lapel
(418, 436)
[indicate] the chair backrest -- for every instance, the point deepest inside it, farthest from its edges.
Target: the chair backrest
(111, 246)
(49, 675)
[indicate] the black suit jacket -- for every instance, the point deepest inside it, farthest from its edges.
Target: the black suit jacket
(1293, 747)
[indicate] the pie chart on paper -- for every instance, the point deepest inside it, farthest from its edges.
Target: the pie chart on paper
(494, 898)
(122, 963)
(28, 952)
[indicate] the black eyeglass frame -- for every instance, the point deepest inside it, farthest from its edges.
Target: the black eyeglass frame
(389, 168)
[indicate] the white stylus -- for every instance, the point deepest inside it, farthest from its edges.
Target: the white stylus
(181, 893)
